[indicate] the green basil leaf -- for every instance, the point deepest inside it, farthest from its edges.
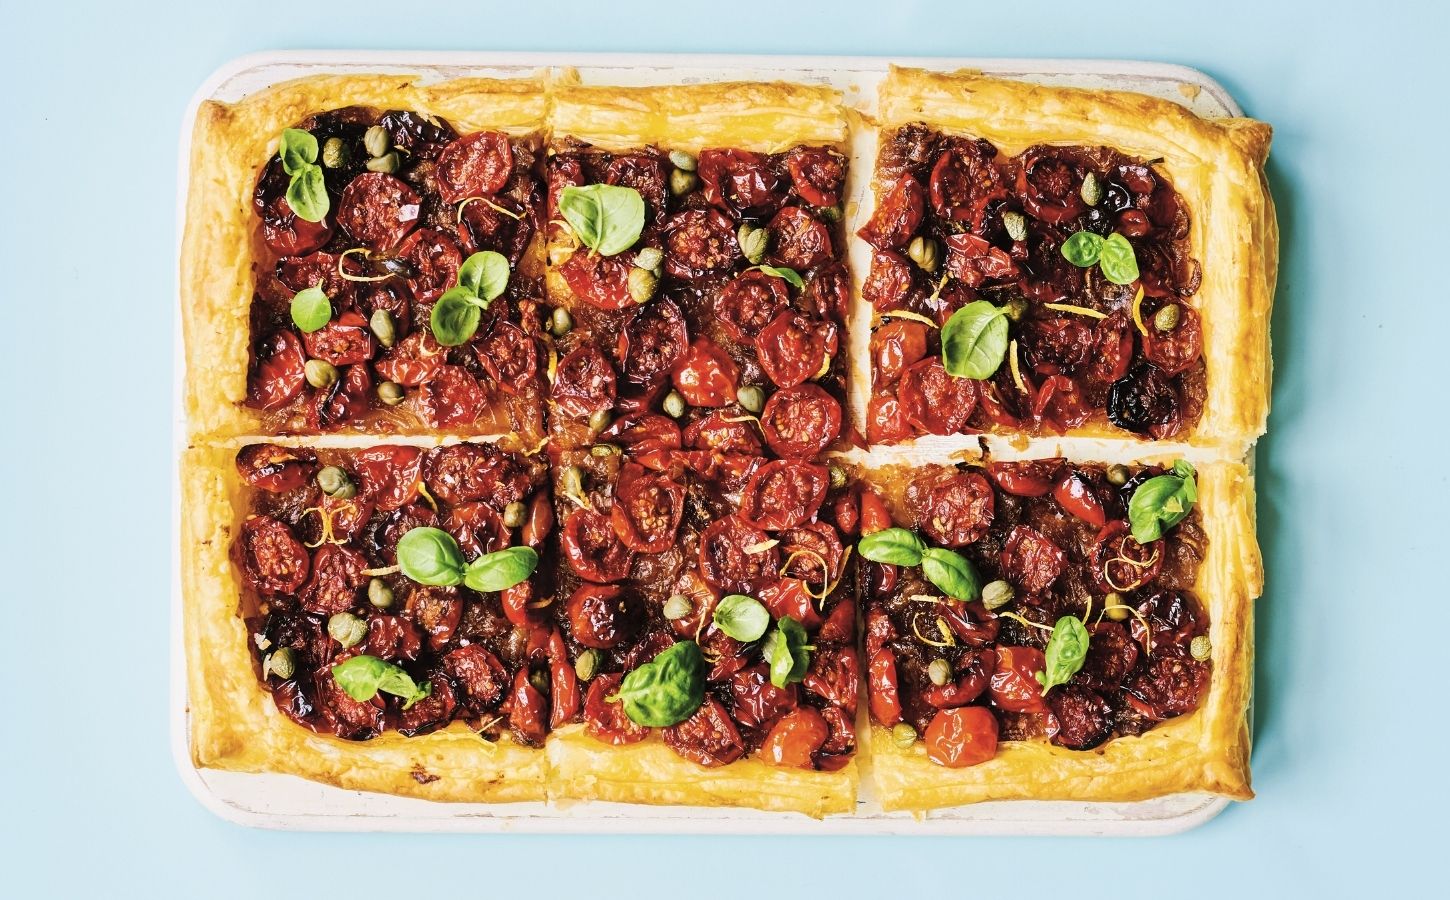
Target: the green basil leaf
(297, 149)
(1083, 249)
(307, 194)
(1066, 650)
(892, 545)
(791, 276)
(431, 556)
(455, 317)
(667, 690)
(311, 309)
(741, 617)
(974, 340)
(361, 677)
(787, 652)
(1118, 262)
(607, 218)
(1162, 502)
(485, 274)
(953, 573)
(501, 569)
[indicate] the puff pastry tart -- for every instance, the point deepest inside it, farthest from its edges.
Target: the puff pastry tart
(1057, 630)
(403, 295)
(1051, 260)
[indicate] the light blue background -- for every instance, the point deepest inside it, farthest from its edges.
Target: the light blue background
(1350, 758)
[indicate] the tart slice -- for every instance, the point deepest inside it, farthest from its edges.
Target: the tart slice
(1060, 261)
(1057, 630)
(350, 617)
(361, 256)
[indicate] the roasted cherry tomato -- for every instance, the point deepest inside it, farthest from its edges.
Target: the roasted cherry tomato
(706, 376)
(794, 739)
(1014, 684)
(962, 737)
(1076, 494)
(1030, 478)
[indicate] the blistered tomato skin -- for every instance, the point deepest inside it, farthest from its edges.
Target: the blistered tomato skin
(966, 736)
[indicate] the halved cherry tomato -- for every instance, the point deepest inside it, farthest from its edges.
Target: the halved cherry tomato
(1014, 684)
(884, 695)
(962, 737)
(1029, 478)
(706, 376)
(794, 739)
(1075, 494)
(874, 514)
(606, 721)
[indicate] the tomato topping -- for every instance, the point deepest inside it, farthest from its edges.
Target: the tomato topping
(540, 521)
(895, 347)
(794, 739)
(1111, 656)
(885, 421)
(458, 473)
(736, 557)
(517, 605)
(432, 712)
(973, 261)
(527, 711)
(1145, 401)
(434, 259)
(789, 597)
(1057, 345)
(1029, 478)
(1059, 403)
(799, 240)
(593, 550)
(783, 494)
(954, 508)
(451, 398)
(474, 165)
(273, 561)
(748, 303)
(648, 438)
(739, 181)
(1173, 618)
(706, 376)
(708, 737)
(478, 528)
(794, 348)
(509, 356)
(346, 402)
(965, 181)
(388, 476)
(414, 361)
(288, 234)
(437, 612)
(957, 738)
(1083, 718)
(278, 374)
(935, 401)
(268, 467)
(343, 342)
(1050, 186)
(699, 243)
(835, 676)
(584, 383)
(971, 673)
(883, 692)
(812, 552)
(1170, 684)
(378, 210)
(1014, 683)
(723, 431)
(1176, 350)
(599, 616)
(652, 343)
(1076, 494)
(386, 534)
(897, 215)
(1119, 563)
(645, 172)
(647, 509)
(1031, 560)
(481, 226)
(817, 174)
(605, 720)
(874, 514)
(888, 282)
(801, 421)
(828, 293)
(480, 677)
(757, 701)
(601, 281)
(1112, 351)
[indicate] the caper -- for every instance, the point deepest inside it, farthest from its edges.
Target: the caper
(1166, 319)
(514, 514)
(925, 253)
(335, 483)
(753, 242)
(600, 420)
(830, 213)
(347, 629)
(1016, 225)
(650, 258)
(1118, 474)
(383, 328)
(997, 594)
(1092, 190)
(334, 153)
(940, 672)
(560, 322)
(838, 476)
(571, 481)
(1201, 648)
(377, 140)
(1114, 607)
(682, 182)
(282, 662)
(674, 405)
(752, 397)
(903, 735)
(682, 160)
(320, 374)
(388, 163)
(379, 594)
(391, 393)
(678, 607)
(1016, 309)
(587, 665)
(642, 284)
(604, 451)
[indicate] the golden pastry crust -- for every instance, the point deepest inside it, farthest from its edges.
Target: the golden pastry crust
(1216, 165)
(235, 725)
(1205, 751)
(582, 768)
(230, 142)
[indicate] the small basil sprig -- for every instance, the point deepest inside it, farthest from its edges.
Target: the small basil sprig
(791, 276)
(665, 691)
(1066, 650)
(1113, 254)
(1162, 502)
(431, 556)
(787, 652)
(310, 309)
(481, 279)
(361, 677)
(953, 573)
(742, 618)
(974, 340)
(607, 218)
(307, 191)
